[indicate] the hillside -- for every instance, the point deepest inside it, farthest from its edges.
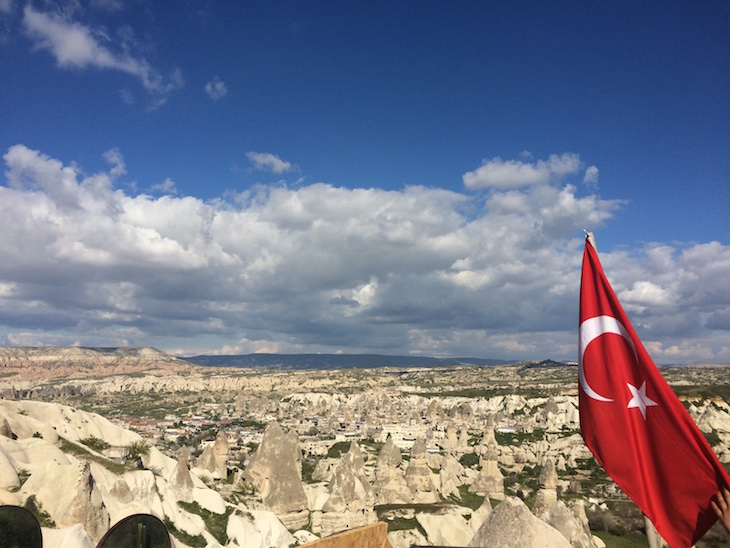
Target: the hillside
(73, 362)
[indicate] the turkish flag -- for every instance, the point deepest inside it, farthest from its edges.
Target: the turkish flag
(635, 425)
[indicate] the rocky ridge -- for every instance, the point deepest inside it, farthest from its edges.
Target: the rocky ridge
(24, 363)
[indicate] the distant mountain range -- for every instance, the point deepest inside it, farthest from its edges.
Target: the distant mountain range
(333, 361)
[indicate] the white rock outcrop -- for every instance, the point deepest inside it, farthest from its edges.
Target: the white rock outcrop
(512, 525)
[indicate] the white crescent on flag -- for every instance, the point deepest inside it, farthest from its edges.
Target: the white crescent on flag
(590, 330)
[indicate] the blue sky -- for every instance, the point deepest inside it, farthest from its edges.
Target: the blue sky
(410, 177)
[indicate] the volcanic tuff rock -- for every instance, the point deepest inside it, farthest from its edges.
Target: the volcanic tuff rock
(390, 484)
(274, 471)
(84, 497)
(512, 525)
(214, 457)
(418, 475)
(181, 476)
(450, 477)
(351, 499)
(547, 495)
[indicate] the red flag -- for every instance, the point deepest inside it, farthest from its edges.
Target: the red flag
(635, 425)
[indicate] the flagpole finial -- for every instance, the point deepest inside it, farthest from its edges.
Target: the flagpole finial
(590, 239)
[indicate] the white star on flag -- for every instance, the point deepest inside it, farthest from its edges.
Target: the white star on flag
(639, 398)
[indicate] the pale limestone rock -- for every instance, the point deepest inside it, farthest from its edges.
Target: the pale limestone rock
(512, 525)
(207, 461)
(351, 498)
(70, 495)
(548, 478)
(8, 475)
(162, 464)
(451, 442)
(72, 424)
(181, 477)
(488, 442)
(569, 524)
(480, 515)
(274, 473)
(447, 528)
(406, 538)
(69, 537)
(418, 475)
(450, 477)
(121, 491)
(14, 499)
(324, 469)
(390, 485)
(221, 452)
(489, 482)
(463, 441)
(579, 512)
(30, 453)
(434, 411)
(547, 495)
(434, 460)
(303, 536)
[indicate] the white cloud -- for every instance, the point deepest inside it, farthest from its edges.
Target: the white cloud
(216, 89)
(6, 6)
(268, 162)
(166, 187)
(322, 268)
(644, 294)
(75, 45)
(500, 174)
(116, 160)
(591, 176)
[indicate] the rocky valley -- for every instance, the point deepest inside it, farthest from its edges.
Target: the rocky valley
(458, 455)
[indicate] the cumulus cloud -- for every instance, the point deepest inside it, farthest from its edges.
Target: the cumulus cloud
(216, 89)
(265, 161)
(75, 45)
(591, 176)
(501, 174)
(324, 268)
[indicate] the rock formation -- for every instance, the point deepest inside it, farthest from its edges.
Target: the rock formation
(220, 452)
(418, 475)
(390, 485)
(274, 472)
(450, 443)
(547, 494)
(51, 362)
(80, 499)
(450, 477)
(512, 525)
(181, 475)
(351, 499)
(69, 493)
(490, 481)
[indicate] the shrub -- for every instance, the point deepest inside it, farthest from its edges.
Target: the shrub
(137, 449)
(35, 508)
(469, 460)
(215, 523)
(338, 449)
(197, 541)
(97, 444)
